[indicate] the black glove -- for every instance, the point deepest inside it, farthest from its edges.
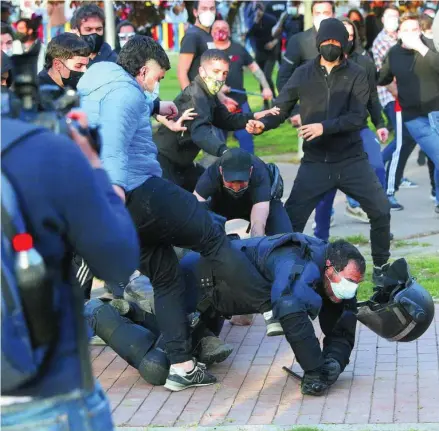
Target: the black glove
(331, 369)
(313, 383)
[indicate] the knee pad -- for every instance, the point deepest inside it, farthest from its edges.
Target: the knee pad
(154, 367)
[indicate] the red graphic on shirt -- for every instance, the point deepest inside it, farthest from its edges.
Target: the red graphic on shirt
(234, 58)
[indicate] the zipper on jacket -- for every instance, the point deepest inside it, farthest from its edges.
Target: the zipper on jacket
(328, 98)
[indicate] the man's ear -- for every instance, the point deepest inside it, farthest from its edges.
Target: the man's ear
(75, 31)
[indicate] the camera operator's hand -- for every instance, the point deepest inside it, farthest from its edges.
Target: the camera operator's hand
(82, 141)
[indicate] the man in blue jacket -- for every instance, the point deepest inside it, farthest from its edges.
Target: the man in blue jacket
(165, 214)
(83, 216)
(308, 278)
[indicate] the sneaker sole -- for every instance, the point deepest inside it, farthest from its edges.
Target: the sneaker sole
(217, 356)
(396, 209)
(356, 217)
(274, 329)
(177, 387)
(408, 186)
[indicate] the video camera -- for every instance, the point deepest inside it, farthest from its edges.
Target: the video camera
(43, 105)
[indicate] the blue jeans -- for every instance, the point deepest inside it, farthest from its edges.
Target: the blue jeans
(76, 411)
(372, 148)
(244, 138)
(428, 139)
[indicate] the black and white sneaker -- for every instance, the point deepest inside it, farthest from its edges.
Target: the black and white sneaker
(179, 380)
(274, 328)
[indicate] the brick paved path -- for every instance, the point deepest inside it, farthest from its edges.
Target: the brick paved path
(384, 383)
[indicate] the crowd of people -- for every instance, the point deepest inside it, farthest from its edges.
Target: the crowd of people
(139, 200)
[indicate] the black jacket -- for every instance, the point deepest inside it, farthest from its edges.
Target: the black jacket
(338, 101)
(45, 79)
(417, 78)
(105, 54)
(202, 133)
(301, 48)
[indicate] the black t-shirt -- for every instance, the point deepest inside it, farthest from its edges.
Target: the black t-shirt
(210, 184)
(195, 41)
(239, 57)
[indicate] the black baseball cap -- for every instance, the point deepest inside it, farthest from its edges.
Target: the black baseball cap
(236, 164)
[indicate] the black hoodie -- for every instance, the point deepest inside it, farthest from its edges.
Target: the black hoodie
(105, 54)
(359, 56)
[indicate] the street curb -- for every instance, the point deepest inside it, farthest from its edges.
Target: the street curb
(345, 427)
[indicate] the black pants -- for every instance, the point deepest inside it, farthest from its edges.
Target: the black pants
(166, 215)
(185, 177)
(431, 174)
(354, 177)
(277, 221)
(266, 61)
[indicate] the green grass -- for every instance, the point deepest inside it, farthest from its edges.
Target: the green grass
(424, 268)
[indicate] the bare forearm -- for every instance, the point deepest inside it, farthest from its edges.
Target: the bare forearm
(260, 76)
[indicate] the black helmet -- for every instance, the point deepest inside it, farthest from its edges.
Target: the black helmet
(402, 310)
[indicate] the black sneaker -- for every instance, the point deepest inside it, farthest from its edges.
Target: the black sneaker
(379, 275)
(213, 350)
(179, 380)
(313, 384)
(274, 328)
(394, 204)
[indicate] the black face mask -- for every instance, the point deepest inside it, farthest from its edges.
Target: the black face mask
(349, 46)
(330, 52)
(236, 195)
(22, 37)
(73, 79)
(94, 41)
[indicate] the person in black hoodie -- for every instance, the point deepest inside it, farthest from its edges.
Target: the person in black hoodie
(177, 151)
(414, 62)
(356, 53)
(66, 61)
(334, 92)
(88, 22)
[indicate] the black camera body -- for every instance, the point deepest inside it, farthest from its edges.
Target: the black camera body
(45, 105)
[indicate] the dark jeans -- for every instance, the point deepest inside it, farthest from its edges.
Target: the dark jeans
(184, 176)
(266, 61)
(354, 177)
(396, 154)
(277, 221)
(166, 215)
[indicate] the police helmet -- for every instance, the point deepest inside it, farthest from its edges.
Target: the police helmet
(402, 310)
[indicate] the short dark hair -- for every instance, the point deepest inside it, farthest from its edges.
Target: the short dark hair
(85, 12)
(214, 54)
(64, 47)
(340, 252)
(140, 49)
(196, 3)
(125, 23)
(425, 22)
(323, 1)
(392, 7)
(7, 29)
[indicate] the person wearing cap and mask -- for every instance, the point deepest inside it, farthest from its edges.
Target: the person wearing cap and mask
(414, 63)
(88, 22)
(356, 53)
(308, 278)
(125, 30)
(334, 92)
(239, 58)
(177, 151)
(66, 61)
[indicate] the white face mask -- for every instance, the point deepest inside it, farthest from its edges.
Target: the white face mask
(8, 52)
(292, 10)
(318, 20)
(122, 43)
(344, 289)
(206, 18)
(391, 24)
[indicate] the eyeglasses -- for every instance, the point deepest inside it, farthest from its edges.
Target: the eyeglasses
(126, 36)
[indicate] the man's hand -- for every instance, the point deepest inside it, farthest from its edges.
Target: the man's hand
(168, 110)
(270, 45)
(267, 94)
(331, 370)
(296, 120)
(254, 127)
(383, 134)
(225, 89)
(177, 126)
(273, 111)
(119, 191)
(393, 89)
(413, 41)
(82, 141)
(311, 131)
(225, 100)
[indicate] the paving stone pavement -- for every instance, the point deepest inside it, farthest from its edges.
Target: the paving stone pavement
(384, 383)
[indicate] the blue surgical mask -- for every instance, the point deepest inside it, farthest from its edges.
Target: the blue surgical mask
(154, 93)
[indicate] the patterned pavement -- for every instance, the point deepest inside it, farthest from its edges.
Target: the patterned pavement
(384, 383)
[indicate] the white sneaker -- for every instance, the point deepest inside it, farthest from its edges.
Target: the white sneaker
(356, 213)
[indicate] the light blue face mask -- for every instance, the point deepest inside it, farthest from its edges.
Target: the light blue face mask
(152, 95)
